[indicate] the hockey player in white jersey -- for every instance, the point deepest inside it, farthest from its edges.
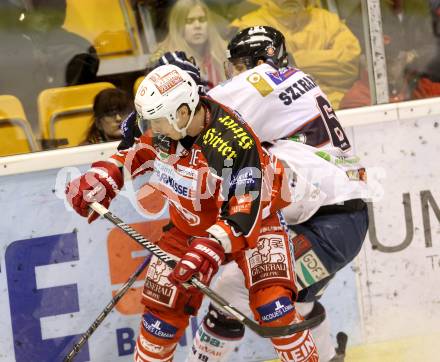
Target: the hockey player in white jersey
(328, 219)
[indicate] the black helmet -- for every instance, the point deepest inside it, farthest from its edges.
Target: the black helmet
(258, 42)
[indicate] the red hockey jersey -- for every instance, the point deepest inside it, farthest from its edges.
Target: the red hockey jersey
(221, 182)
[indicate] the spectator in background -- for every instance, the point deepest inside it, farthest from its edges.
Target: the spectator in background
(401, 81)
(406, 26)
(37, 53)
(408, 22)
(110, 107)
(429, 83)
(409, 47)
(192, 30)
(320, 43)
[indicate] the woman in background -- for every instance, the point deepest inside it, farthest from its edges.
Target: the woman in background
(191, 29)
(110, 107)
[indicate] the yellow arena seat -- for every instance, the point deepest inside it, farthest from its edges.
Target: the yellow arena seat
(137, 83)
(65, 114)
(113, 43)
(15, 132)
(110, 25)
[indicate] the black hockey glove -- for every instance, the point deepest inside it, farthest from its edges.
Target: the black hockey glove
(130, 131)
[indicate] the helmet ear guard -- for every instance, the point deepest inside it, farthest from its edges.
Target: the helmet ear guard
(161, 94)
(258, 43)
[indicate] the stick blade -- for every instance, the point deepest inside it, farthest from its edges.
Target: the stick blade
(282, 331)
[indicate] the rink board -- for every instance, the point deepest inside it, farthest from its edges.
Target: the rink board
(57, 272)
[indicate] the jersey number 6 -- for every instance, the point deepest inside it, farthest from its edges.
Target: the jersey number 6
(331, 123)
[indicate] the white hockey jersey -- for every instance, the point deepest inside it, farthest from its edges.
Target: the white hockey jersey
(288, 109)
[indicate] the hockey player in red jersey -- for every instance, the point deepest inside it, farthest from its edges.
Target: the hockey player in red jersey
(225, 193)
(327, 219)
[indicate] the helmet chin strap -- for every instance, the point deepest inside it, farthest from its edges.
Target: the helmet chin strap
(183, 130)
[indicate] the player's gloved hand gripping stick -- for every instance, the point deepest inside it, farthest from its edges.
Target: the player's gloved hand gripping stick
(263, 331)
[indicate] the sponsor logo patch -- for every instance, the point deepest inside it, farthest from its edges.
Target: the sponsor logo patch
(301, 244)
(169, 177)
(304, 349)
(168, 82)
(213, 137)
(276, 309)
(216, 139)
(241, 204)
(309, 269)
(157, 287)
(269, 259)
(270, 51)
(243, 178)
(280, 76)
(187, 171)
(209, 339)
(155, 348)
(260, 84)
(158, 327)
(271, 228)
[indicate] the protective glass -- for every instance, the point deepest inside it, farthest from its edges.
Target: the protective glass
(143, 124)
(234, 67)
(157, 126)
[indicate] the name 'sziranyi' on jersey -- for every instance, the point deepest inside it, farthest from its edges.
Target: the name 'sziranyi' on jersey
(297, 89)
(288, 100)
(213, 137)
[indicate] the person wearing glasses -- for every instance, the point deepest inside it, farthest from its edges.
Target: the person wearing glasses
(110, 108)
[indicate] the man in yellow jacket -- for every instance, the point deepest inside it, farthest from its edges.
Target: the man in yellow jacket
(320, 43)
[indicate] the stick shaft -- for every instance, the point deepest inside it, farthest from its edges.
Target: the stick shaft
(106, 311)
(263, 331)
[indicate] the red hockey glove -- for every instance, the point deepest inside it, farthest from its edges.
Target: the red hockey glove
(101, 183)
(202, 259)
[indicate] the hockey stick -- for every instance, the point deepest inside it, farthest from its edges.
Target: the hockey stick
(108, 308)
(263, 331)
